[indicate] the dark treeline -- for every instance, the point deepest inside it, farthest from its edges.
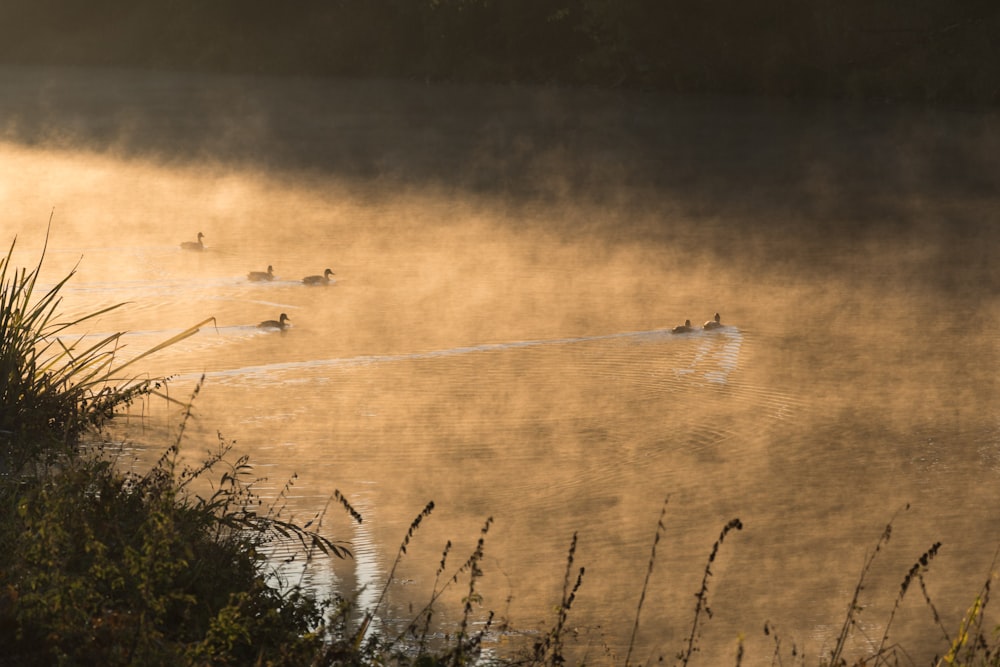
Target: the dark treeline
(921, 50)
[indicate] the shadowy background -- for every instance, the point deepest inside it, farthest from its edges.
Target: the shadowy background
(923, 50)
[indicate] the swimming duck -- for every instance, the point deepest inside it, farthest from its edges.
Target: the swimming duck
(274, 324)
(713, 324)
(194, 245)
(318, 280)
(683, 328)
(262, 275)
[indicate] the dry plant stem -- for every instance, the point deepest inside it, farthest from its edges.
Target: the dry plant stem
(453, 579)
(702, 595)
(645, 584)
(934, 611)
(310, 552)
(853, 608)
(548, 650)
(770, 632)
(475, 572)
(567, 601)
(370, 614)
(182, 427)
(917, 569)
(973, 619)
(428, 611)
(168, 458)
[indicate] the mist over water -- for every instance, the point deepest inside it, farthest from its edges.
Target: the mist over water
(508, 265)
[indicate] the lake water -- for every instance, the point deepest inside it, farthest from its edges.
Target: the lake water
(508, 265)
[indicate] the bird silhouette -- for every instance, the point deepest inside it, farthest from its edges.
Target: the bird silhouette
(262, 275)
(318, 280)
(275, 324)
(713, 324)
(194, 245)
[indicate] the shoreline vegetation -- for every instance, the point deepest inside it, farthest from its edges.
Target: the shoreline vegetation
(110, 567)
(923, 51)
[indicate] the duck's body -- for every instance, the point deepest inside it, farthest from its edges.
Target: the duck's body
(714, 323)
(262, 275)
(194, 245)
(682, 328)
(318, 280)
(275, 324)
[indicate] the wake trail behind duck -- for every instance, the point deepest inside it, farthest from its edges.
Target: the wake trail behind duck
(722, 362)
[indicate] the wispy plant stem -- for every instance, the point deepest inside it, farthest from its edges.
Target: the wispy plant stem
(645, 584)
(853, 608)
(702, 595)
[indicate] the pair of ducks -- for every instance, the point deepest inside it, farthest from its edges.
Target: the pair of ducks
(714, 323)
(258, 276)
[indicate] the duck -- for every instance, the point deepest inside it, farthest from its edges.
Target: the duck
(714, 323)
(318, 280)
(275, 324)
(194, 245)
(262, 275)
(682, 328)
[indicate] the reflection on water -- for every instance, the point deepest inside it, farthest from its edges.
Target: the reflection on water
(506, 351)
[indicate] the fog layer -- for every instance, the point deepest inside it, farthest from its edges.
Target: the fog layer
(509, 263)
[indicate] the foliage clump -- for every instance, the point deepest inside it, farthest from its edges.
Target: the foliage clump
(122, 569)
(105, 567)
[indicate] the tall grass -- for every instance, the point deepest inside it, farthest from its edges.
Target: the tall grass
(54, 385)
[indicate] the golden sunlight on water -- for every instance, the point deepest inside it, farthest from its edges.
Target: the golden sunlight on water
(514, 359)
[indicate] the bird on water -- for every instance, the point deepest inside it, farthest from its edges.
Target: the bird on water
(714, 323)
(275, 324)
(194, 245)
(318, 280)
(683, 328)
(262, 275)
